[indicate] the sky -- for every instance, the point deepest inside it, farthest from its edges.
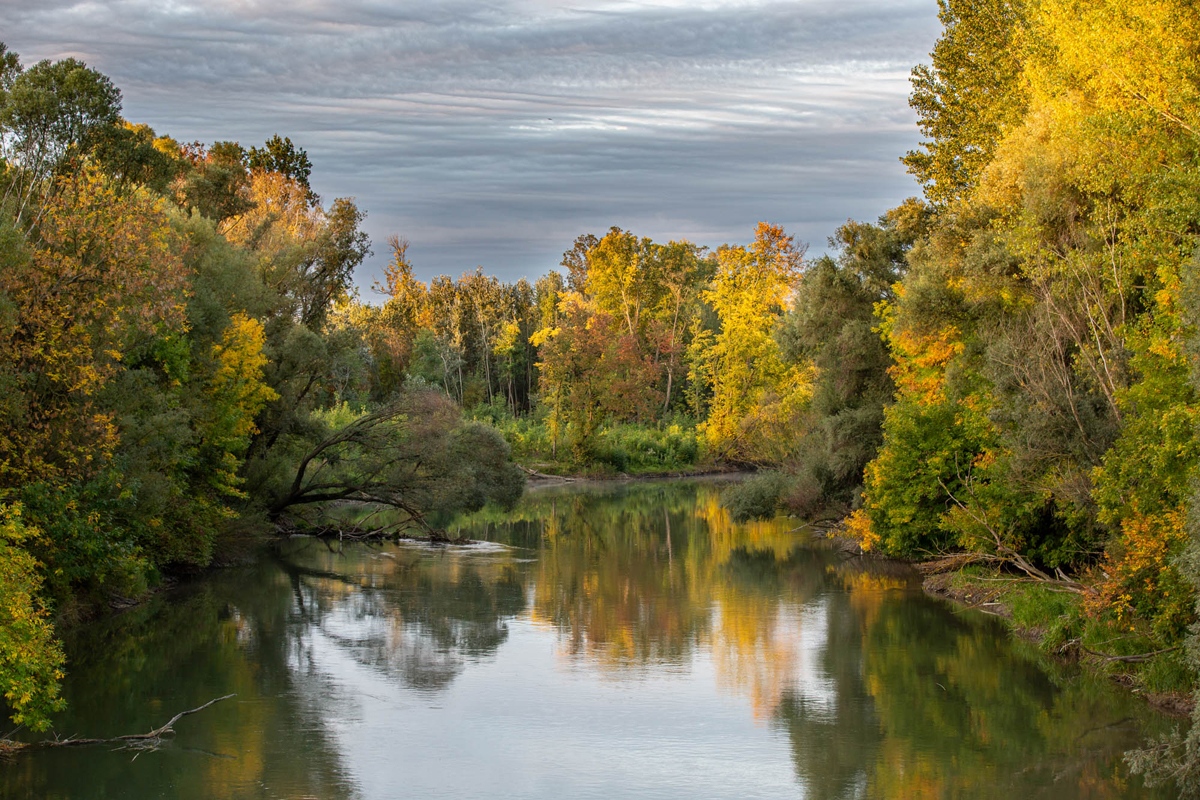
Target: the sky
(492, 134)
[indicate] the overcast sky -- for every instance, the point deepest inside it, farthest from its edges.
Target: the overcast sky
(494, 133)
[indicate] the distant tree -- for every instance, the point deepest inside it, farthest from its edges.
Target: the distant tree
(746, 371)
(575, 262)
(280, 155)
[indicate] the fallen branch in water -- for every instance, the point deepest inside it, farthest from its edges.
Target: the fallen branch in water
(357, 533)
(151, 740)
(533, 473)
(1134, 659)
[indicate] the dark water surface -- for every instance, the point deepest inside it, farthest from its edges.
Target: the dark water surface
(615, 642)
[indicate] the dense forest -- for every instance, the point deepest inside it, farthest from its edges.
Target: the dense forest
(180, 367)
(1001, 375)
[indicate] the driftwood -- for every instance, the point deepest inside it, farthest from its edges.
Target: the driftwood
(151, 740)
(533, 473)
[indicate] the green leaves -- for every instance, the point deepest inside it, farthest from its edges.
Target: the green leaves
(280, 155)
(967, 96)
(47, 112)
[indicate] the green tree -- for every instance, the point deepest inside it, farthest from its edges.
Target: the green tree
(832, 325)
(414, 455)
(280, 155)
(967, 96)
(49, 112)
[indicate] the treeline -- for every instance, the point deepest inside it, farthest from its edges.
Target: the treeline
(1006, 373)
(178, 366)
(669, 338)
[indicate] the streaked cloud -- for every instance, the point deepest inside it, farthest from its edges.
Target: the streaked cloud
(493, 134)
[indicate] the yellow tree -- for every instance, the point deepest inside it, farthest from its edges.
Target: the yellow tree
(102, 271)
(622, 277)
(750, 383)
(237, 394)
(392, 329)
(30, 658)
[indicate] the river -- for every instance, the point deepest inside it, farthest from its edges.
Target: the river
(618, 641)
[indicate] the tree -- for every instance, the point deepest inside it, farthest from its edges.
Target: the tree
(133, 155)
(308, 254)
(49, 112)
(281, 156)
(104, 272)
(30, 659)
(622, 277)
(682, 272)
(575, 262)
(750, 383)
(967, 96)
(218, 185)
(413, 455)
(832, 325)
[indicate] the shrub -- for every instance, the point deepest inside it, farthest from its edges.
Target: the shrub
(757, 497)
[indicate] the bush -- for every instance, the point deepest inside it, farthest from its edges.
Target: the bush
(30, 657)
(621, 448)
(757, 497)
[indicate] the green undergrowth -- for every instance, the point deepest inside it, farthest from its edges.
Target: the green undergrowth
(1060, 623)
(629, 449)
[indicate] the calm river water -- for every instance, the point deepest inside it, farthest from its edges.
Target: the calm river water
(612, 642)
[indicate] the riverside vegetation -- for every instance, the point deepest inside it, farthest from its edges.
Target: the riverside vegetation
(999, 378)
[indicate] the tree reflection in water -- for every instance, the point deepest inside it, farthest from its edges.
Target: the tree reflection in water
(410, 616)
(876, 690)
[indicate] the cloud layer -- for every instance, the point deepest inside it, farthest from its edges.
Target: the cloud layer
(493, 134)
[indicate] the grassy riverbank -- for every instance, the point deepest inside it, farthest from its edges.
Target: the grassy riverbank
(1060, 623)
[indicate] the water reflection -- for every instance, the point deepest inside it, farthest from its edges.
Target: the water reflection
(882, 691)
(132, 673)
(615, 641)
(410, 614)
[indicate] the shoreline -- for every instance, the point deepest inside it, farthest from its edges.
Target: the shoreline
(974, 596)
(973, 593)
(538, 479)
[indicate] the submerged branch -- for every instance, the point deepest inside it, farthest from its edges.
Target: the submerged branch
(150, 740)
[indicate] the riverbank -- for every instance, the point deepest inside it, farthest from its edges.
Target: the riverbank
(1058, 624)
(1056, 621)
(543, 473)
